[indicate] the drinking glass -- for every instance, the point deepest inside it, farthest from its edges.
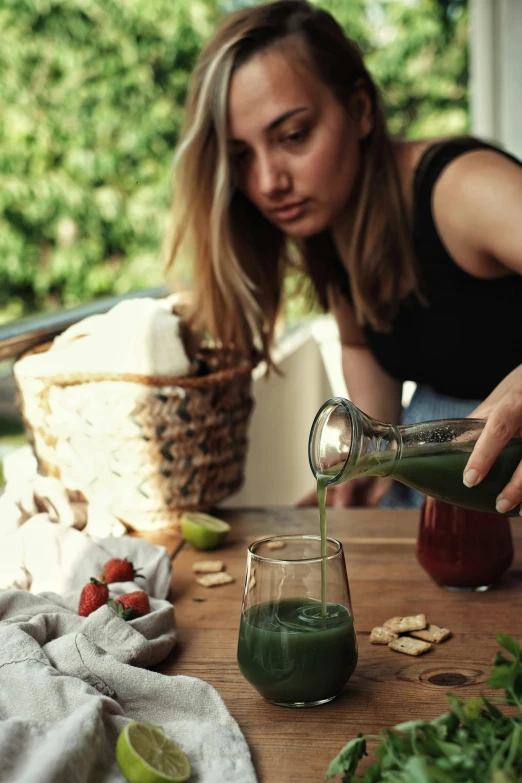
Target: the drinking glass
(462, 549)
(297, 645)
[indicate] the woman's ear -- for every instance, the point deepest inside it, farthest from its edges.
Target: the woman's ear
(361, 109)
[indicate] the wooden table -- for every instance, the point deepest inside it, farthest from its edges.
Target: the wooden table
(387, 687)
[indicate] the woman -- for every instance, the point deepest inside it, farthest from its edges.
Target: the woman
(414, 246)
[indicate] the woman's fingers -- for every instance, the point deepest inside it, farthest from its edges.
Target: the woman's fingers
(501, 425)
(511, 495)
(359, 492)
(342, 495)
(336, 497)
(377, 491)
(492, 440)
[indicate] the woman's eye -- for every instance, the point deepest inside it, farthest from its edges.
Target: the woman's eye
(240, 157)
(296, 136)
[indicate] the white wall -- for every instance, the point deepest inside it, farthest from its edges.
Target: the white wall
(277, 470)
(496, 71)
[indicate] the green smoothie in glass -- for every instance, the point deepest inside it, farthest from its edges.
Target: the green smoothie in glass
(291, 653)
(297, 643)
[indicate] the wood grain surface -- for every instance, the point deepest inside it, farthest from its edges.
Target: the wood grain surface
(387, 687)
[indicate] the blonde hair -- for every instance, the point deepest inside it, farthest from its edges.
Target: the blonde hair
(240, 258)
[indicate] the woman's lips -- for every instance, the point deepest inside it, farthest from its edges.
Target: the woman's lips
(291, 211)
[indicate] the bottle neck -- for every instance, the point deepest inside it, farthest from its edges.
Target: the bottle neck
(375, 449)
(346, 443)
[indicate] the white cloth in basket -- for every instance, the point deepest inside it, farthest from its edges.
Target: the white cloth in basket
(137, 336)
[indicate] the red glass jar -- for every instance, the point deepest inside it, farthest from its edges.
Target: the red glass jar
(462, 549)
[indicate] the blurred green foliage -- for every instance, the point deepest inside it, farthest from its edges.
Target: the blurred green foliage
(91, 100)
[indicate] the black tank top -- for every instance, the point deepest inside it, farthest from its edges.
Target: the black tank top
(469, 337)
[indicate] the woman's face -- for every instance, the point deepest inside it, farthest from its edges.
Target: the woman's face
(294, 149)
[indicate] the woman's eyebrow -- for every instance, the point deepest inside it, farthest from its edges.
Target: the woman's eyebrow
(275, 123)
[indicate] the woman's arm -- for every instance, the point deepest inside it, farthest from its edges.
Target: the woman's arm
(372, 390)
(477, 205)
(369, 386)
(503, 411)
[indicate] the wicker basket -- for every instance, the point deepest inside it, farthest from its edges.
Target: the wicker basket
(147, 448)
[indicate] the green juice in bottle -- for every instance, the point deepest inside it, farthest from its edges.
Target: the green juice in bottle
(429, 456)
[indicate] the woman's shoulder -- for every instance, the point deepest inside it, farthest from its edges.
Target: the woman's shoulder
(422, 161)
(427, 166)
(461, 167)
(469, 197)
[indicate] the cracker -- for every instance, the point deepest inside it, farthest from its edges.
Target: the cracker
(276, 545)
(382, 636)
(213, 580)
(207, 566)
(409, 646)
(405, 624)
(432, 634)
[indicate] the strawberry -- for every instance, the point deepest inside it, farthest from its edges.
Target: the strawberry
(94, 595)
(131, 605)
(117, 570)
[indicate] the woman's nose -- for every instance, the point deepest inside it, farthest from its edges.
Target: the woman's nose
(272, 176)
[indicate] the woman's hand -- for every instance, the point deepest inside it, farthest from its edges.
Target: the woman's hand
(357, 492)
(503, 411)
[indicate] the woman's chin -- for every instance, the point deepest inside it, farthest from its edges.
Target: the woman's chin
(301, 229)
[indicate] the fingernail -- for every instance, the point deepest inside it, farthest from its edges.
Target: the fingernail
(504, 505)
(471, 477)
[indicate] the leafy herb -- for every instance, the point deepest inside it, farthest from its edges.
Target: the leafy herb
(475, 742)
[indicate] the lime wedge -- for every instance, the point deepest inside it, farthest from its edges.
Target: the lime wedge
(146, 755)
(202, 530)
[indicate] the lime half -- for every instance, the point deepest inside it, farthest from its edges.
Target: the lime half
(202, 530)
(146, 755)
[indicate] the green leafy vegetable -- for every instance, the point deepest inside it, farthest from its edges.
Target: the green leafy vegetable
(475, 742)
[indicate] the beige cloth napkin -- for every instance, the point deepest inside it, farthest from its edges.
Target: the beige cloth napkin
(69, 684)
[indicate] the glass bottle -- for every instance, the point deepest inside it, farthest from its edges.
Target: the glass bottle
(429, 456)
